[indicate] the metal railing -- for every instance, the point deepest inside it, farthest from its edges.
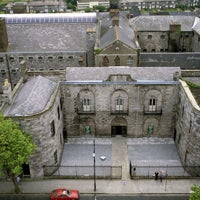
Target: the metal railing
(166, 171)
(102, 172)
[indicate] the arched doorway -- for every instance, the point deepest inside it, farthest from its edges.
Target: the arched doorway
(119, 127)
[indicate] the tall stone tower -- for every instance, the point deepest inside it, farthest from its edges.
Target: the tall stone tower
(174, 37)
(90, 39)
(3, 35)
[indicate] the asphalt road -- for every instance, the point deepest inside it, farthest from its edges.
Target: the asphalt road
(98, 197)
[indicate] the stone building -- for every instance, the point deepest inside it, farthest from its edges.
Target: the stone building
(49, 41)
(36, 6)
(83, 4)
(133, 102)
(156, 4)
(35, 103)
(59, 87)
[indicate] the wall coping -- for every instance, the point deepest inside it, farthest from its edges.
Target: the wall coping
(190, 95)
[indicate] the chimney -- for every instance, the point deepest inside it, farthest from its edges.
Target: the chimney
(3, 35)
(23, 70)
(7, 92)
(114, 15)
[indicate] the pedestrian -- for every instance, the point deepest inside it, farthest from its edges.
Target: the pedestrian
(156, 175)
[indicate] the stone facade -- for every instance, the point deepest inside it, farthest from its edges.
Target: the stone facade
(187, 129)
(135, 116)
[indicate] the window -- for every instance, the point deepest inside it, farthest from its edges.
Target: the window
(3, 72)
(13, 71)
(152, 105)
(50, 58)
(162, 36)
(130, 61)
(55, 157)
(150, 129)
(1, 59)
(87, 130)
(117, 61)
(53, 128)
(30, 58)
(86, 104)
(40, 58)
(105, 61)
(58, 110)
(119, 104)
(60, 58)
(70, 57)
(21, 58)
(149, 37)
(11, 58)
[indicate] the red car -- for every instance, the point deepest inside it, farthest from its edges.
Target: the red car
(64, 194)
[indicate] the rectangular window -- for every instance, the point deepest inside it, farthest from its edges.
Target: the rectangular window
(152, 105)
(1, 59)
(119, 104)
(53, 128)
(86, 104)
(55, 157)
(58, 109)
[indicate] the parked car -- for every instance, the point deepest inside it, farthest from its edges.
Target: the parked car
(64, 194)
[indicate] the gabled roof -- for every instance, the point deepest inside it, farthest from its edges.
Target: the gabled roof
(33, 97)
(109, 34)
(161, 23)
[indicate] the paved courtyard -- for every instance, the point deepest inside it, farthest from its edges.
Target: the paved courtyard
(142, 152)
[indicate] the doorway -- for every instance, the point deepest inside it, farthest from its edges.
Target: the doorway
(118, 130)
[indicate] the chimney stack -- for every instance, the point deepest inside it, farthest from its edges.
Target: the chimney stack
(7, 92)
(114, 14)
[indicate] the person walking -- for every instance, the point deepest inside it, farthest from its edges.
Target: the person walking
(156, 175)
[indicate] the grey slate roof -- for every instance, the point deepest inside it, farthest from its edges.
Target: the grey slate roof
(48, 32)
(33, 97)
(109, 34)
(48, 37)
(137, 73)
(161, 23)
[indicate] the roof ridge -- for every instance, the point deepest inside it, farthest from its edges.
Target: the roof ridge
(116, 32)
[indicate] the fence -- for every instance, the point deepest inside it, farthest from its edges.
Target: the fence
(167, 171)
(102, 172)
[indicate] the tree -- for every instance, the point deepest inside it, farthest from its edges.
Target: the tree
(15, 149)
(195, 194)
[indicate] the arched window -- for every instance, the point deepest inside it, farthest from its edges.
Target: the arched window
(130, 61)
(119, 104)
(105, 61)
(117, 61)
(86, 104)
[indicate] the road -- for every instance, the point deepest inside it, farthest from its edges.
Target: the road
(99, 197)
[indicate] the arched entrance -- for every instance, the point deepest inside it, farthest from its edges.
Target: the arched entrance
(118, 127)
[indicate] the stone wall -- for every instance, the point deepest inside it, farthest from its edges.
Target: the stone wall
(10, 62)
(133, 115)
(183, 60)
(187, 129)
